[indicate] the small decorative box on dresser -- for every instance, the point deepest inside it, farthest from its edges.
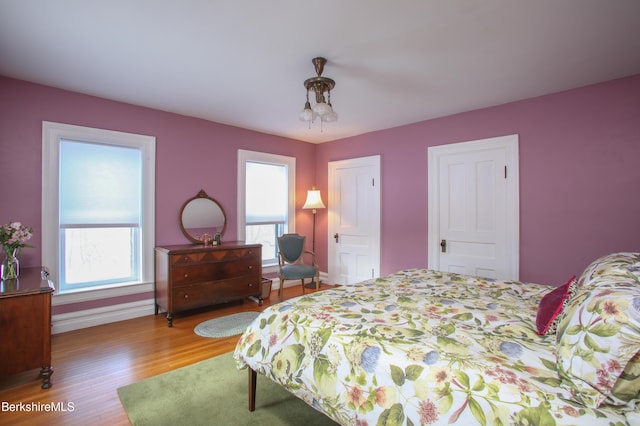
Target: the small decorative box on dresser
(192, 275)
(25, 324)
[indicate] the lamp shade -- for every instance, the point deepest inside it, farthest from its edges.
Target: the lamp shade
(330, 118)
(322, 109)
(306, 114)
(314, 200)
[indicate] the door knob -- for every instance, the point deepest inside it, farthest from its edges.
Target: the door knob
(443, 245)
(336, 236)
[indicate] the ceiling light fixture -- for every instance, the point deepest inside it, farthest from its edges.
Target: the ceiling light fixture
(322, 110)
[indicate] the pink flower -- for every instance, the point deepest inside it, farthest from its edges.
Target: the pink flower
(273, 339)
(381, 397)
(610, 309)
(428, 412)
(356, 396)
(570, 411)
(13, 236)
(385, 396)
(613, 366)
(608, 374)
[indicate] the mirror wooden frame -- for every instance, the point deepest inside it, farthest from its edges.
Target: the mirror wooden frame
(202, 195)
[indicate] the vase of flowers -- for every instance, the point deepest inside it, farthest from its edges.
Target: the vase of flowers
(13, 237)
(10, 266)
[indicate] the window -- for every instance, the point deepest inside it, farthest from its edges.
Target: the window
(266, 200)
(98, 199)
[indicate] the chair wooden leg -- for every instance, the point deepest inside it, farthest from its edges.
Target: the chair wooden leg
(280, 289)
(303, 287)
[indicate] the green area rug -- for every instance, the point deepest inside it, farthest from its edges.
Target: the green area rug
(213, 392)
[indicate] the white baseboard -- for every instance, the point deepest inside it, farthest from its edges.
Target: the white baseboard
(98, 316)
(124, 311)
(291, 283)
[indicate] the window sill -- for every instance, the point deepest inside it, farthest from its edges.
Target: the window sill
(97, 293)
(269, 269)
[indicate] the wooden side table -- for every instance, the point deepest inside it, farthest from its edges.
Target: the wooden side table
(25, 324)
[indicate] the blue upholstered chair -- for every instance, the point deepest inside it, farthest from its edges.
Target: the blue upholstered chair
(291, 262)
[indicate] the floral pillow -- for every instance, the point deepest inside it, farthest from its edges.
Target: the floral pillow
(598, 337)
(612, 265)
(626, 391)
(552, 305)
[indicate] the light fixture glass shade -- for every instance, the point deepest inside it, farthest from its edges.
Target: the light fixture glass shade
(322, 109)
(307, 113)
(331, 117)
(314, 200)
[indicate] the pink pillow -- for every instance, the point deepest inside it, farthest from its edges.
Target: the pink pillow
(551, 307)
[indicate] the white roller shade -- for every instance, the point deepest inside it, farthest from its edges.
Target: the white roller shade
(99, 184)
(266, 193)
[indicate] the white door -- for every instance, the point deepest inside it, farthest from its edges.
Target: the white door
(354, 220)
(474, 208)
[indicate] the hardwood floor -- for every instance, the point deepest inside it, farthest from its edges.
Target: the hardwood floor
(90, 364)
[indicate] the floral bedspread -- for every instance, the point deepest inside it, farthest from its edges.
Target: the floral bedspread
(418, 347)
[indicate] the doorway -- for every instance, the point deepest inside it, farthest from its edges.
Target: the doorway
(354, 220)
(474, 208)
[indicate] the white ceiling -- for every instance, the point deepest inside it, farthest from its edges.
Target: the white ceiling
(243, 62)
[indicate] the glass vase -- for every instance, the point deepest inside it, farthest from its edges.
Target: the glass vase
(10, 266)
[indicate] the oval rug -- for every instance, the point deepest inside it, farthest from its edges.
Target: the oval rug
(226, 326)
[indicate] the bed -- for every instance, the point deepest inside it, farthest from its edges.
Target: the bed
(424, 347)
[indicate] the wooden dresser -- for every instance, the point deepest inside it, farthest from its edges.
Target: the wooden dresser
(191, 276)
(25, 324)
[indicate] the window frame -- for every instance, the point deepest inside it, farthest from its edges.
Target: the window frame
(52, 134)
(245, 156)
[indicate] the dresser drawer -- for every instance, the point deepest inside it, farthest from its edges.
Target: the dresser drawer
(246, 266)
(187, 258)
(192, 274)
(232, 254)
(204, 294)
(201, 272)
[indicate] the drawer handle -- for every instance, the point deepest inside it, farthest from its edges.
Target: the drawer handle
(250, 252)
(250, 266)
(186, 296)
(186, 275)
(186, 258)
(250, 285)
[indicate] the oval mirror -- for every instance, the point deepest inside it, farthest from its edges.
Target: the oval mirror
(202, 215)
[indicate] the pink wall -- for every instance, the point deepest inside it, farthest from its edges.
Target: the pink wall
(579, 177)
(191, 154)
(579, 180)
